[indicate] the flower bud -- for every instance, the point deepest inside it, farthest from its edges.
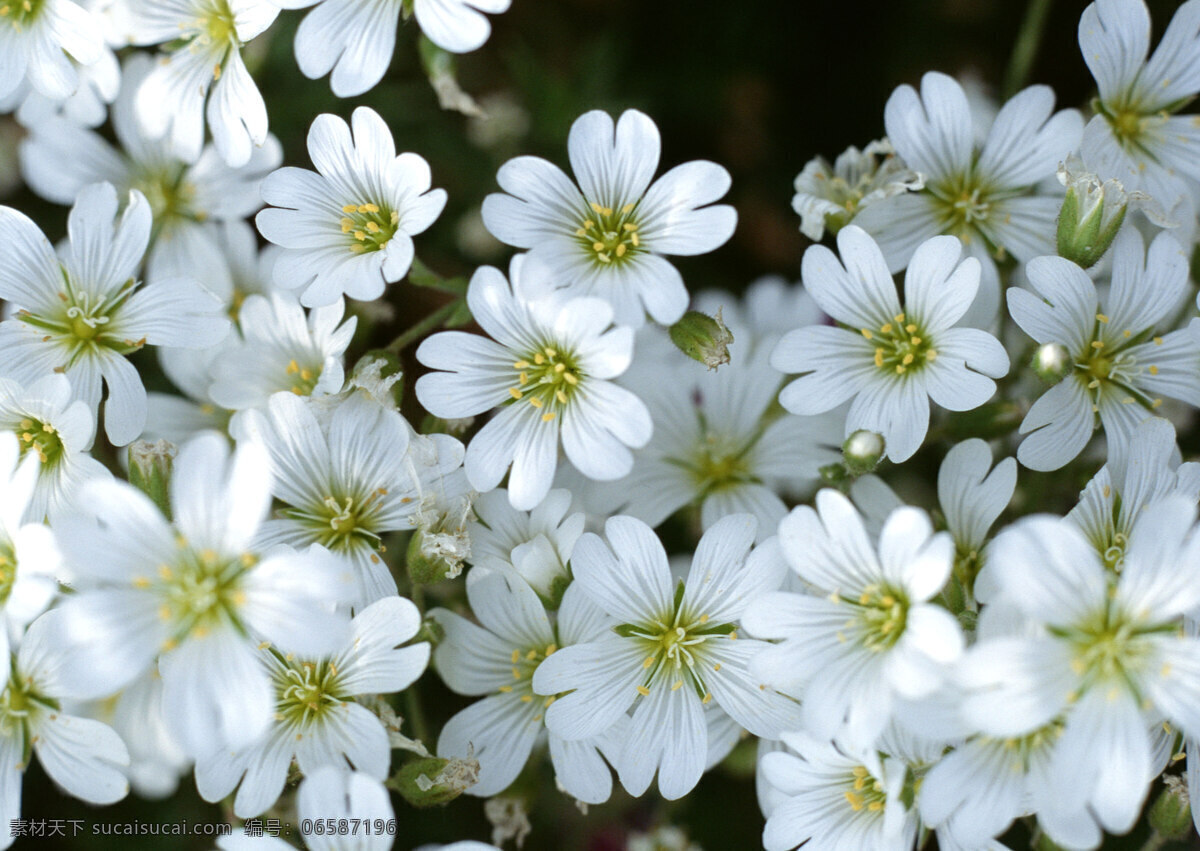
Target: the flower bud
(703, 338)
(1051, 362)
(1171, 813)
(150, 471)
(1092, 213)
(433, 781)
(863, 451)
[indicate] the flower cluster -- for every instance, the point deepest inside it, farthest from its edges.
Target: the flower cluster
(246, 576)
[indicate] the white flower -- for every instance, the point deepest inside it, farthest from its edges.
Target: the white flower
(156, 762)
(676, 651)
(1107, 655)
(1135, 137)
(202, 75)
(983, 194)
(548, 368)
(898, 358)
(833, 797)
(607, 237)
(316, 720)
(537, 543)
(38, 40)
(98, 83)
(282, 349)
(865, 634)
(190, 203)
(29, 559)
(82, 312)
(720, 441)
(59, 432)
(831, 196)
(348, 229)
(195, 595)
(499, 659)
(1126, 486)
(343, 795)
(971, 499)
(1121, 367)
(344, 483)
(82, 756)
(356, 38)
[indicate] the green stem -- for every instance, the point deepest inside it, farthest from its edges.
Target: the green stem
(415, 715)
(430, 323)
(1155, 842)
(1025, 50)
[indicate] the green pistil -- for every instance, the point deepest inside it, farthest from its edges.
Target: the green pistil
(881, 616)
(81, 325)
(40, 438)
(1109, 365)
(20, 13)
(900, 346)
(171, 198)
(547, 378)
(717, 468)
(610, 236)
(524, 664)
(8, 569)
(303, 379)
(1024, 748)
(218, 25)
(673, 646)
(307, 691)
(1111, 648)
(369, 226)
(200, 591)
(341, 524)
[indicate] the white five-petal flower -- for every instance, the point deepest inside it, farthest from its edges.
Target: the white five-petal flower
(348, 229)
(607, 236)
(890, 359)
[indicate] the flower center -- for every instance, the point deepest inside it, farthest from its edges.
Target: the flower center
(718, 465)
(547, 378)
(8, 569)
(1024, 748)
(900, 346)
(524, 663)
(370, 226)
(306, 692)
(20, 13)
(341, 524)
(1110, 365)
(675, 648)
(169, 195)
(964, 204)
(610, 236)
(1111, 647)
(84, 320)
(42, 439)
(200, 591)
(303, 379)
(217, 25)
(865, 792)
(880, 616)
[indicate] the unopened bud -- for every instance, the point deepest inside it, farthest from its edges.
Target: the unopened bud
(433, 781)
(150, 471)
(1171, 813)
(1092, 213)
(863, 451)
(703, 338)
(1051, 362)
